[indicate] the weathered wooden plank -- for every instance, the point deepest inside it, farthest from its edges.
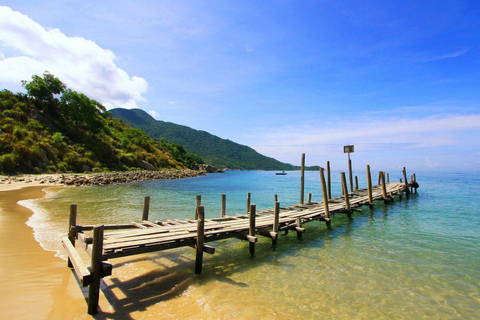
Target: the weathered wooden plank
(81, 270)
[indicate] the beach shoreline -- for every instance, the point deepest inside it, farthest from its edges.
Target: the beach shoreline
(35, 283)
(16, 182)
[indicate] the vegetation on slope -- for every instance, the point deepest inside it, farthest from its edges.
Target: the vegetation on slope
(214, 150)
(55, 129)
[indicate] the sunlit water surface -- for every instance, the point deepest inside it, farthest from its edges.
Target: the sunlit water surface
(416, 258)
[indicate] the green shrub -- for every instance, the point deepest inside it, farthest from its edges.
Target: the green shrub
(58, 138)
(8, 162)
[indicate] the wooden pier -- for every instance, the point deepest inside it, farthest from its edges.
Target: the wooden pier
(104, 242)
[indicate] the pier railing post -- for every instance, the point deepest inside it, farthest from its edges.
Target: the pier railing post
(146, 208)
(369, 186)
(325, 197)
(345, 193)
(302, 179)
(406, 181)
(276, 223)
(96, 270)
(224, 205)
(72, 232)
(350, 174)
(329, 181)
(199, 203)
(251, 230)
(200, 239)
(356, 183)
(384, 186)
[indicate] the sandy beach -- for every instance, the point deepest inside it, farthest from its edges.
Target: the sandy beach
(35, 283)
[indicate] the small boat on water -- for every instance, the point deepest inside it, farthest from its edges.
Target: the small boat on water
(283, 173)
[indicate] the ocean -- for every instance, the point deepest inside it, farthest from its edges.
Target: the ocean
(414, 258)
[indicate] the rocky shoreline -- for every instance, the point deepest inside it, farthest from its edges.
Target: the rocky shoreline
(97, 179)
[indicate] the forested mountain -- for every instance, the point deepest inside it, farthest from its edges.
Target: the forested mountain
(213, 150)
(55, 129)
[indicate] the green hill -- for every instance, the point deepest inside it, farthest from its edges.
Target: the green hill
(213, 150)
(55, 129)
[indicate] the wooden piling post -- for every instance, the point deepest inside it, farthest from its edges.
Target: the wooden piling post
(356, 183)
(96, 270)
(275, 198)
(146, 208)
(200, 239)
(309, 198)
(388, 177)
(276, 223)
(384, 186)
(251, 229)
(224, 205)
(199, 203)
(72, 232)
(379, 178)
(350, 172)
(406, 181)
(302, 179)
(345, 193)
(329, 182)
(325, 197)
(298, 224)
(369, 186)
(249, 196)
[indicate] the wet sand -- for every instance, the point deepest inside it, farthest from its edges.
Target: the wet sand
(35, 283)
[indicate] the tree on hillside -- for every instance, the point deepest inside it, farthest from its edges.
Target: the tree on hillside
(44, 89)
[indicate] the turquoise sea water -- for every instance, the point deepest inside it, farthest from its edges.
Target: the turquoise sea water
(415, 258)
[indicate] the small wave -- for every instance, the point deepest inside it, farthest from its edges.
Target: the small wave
(45, 231)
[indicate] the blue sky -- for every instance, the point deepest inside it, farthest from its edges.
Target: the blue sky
(399, 80)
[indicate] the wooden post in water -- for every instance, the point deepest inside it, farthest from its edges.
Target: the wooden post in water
(275, 198)
(298, 224)
(72, 232)
(276, 223)
(251, 230)
(345, 193)
(146, 208)
(96, 270)
(329, 181)
(384, 186)
(309, 198)
(388, 177)
(369, 186)
(249, 196)
(200, 239)
(350, 172)
(199, 203)
(379, 178)
(302, 179)
(224, 205)
(406, 181)
(325, 197)
(356, 183)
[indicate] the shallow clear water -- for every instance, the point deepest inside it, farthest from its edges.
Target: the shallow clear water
(418, 258)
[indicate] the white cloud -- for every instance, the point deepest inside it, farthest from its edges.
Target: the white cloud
(80, 63)
(154, 114)
(405, 136)
(451, 55)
